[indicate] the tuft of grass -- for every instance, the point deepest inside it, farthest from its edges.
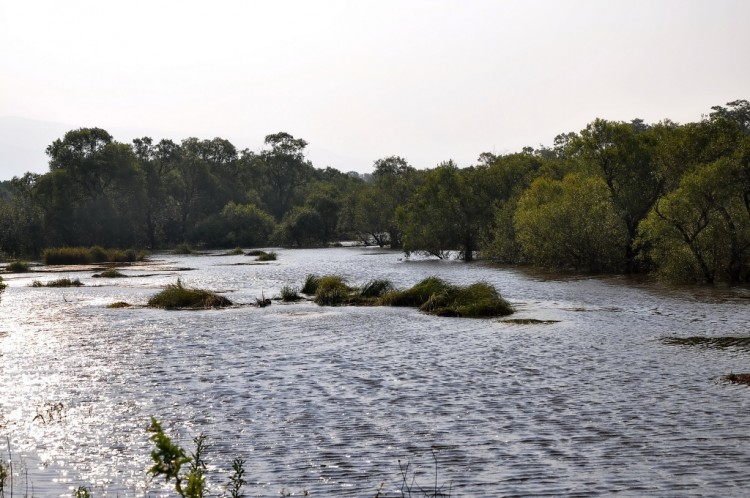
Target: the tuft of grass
(182, 249)
(176, 296)
(376, 288)
(419, 294)
(311, 285)
(119, 304)
(255, 252)
(237, 251)
(332, 291)
(3, 285)
(60, 282)
(741, 378)
(267, 256)
(110, 273)
(290, 294)
(17, 267)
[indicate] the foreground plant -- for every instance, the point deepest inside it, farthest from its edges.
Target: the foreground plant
(169, 460)
(60, 282)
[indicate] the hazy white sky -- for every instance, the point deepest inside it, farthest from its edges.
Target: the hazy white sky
(429, 80)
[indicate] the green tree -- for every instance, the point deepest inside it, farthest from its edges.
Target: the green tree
(570, 223)
(284, 170)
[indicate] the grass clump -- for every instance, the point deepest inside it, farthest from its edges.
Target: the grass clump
(529, 321)
(311, 285)
(119, 304)
(474, 301)
(3, 285)
(17, 267)
(332, 291)
(255, 252)
(710, 342)
(110, 273)
(177, 296)
(89, 255)
(237, 251)
(182, 249)
(290, 294)
(267, 256)
(376, 288)
(419, 294)
(60, 282)
(741, 378)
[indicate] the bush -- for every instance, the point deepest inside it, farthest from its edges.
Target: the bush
(267, 256)
(17, 267)
(177, 296)
(110, 273)
(475, 301)
(311, 285)
(60, 282)
(331, 291)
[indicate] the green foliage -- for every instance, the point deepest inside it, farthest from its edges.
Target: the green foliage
(331, 291)
(82, 492)
(3, 285)
(376, 288)
(290, 294)
(17, 267)
(119, 304)
(88, 255)
(267, 256)
(60, 282)
(255, 252)
(570, 224)
(311, 285)
(474, 301)
(170, 459)
(176, 296)
(419, 294)
(237, 251)
(182, 249)
(110, 273)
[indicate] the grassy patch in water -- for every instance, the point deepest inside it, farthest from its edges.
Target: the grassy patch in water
(332, 291)
(89, 255)
(3, 285)
(267, 256)
(376, 288)
(417, 295)
(311, 285)
(110, 273)
(119, 304)
(711, 342)
(255, 252)
(741, 378)
(473, 301)
(60, 282)
(289, 294)
(237, 251)
(528, 321)
(182, 249)
(177, 296)
(17, 267)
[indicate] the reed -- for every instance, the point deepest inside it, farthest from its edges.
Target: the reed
(60, 282)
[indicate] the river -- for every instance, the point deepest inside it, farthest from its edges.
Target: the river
(329, 400)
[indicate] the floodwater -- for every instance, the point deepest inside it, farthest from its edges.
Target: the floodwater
(329, 400)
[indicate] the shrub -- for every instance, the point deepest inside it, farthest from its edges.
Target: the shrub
(331, 291)
(289, 293)
(60, 282)
(17, 267)
(110, 273)
(267, 256)
(311, 284)
(97, 254)
(176, 296)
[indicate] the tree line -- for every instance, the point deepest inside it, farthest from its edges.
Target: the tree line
(665, 198)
